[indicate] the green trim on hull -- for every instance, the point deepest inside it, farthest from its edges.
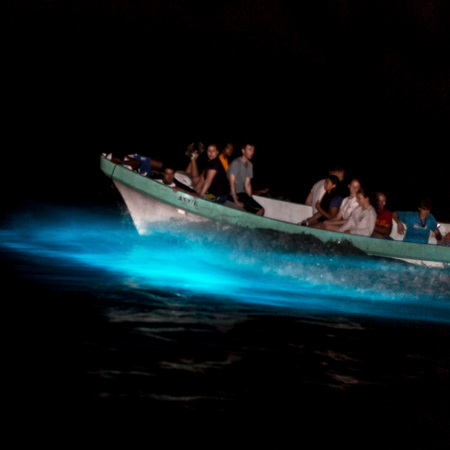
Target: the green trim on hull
(209, 210)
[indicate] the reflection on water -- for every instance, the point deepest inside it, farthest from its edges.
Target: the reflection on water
(258, 267)
(218, 334)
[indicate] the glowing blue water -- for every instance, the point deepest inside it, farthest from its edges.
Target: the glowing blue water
(239, 265)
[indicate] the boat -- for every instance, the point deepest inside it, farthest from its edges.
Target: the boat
(149, 201)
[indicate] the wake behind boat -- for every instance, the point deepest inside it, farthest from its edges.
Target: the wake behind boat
(149, 201)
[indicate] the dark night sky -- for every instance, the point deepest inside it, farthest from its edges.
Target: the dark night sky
(361, 83)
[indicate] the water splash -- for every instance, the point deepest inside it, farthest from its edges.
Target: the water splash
(250, 266)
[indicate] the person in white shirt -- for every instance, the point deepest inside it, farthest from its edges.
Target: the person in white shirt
(168, 177)
(363, 220)
(348, 207)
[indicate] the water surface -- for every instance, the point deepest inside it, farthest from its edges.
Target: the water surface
(213, 335)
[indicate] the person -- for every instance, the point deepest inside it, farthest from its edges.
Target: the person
(240, 174)
(328, 207)
(213, 183)
(168, 178)
(348, 206)
(141, 164)
(383, 225)
(193, 152)
(418, 224)
(138, 163)
(318, 189)
(225, 155)
(362, 221)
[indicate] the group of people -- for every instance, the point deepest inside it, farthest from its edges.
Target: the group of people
(354, 214)
(222, 180)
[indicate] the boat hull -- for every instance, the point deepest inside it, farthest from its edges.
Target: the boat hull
(149, 201)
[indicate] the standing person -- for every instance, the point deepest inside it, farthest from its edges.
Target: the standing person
(240, 174)
(383, 226)
(418, 224)
(363, 220)
(318, 189)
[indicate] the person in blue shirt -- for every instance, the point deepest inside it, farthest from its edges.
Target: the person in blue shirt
(418, 224)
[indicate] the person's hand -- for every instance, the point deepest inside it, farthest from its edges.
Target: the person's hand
(400, 228)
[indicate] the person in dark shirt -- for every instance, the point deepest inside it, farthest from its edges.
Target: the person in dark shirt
(329, 206)
(214, 184)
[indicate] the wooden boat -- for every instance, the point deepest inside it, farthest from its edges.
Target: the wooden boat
(149, 201)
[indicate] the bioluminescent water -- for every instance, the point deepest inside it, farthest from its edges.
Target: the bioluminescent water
(256, 267)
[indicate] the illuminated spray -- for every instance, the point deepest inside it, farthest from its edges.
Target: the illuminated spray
(248, 266)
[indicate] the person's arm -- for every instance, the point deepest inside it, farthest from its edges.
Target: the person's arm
(248, 187)
(328, 215)
(312, 220)
(210, 174)
(400, 226)
(192, 168)
(338, 217)
(438, 234)
(232, 179)
(346, 227)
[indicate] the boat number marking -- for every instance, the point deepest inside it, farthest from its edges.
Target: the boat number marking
(188, 200)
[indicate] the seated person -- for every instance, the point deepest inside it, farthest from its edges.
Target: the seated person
(418, 224)
(168, 178)
(225, 155)
(329, 206)
(348, 206)
(362, 221)
(240, 174)
(383, 226)
(141, 164)
(318, 189)
(213, 184)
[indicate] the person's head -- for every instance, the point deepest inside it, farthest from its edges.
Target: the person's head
(168, 175)
(363, 198)
(331, 183)
(424, 208)
(228, 149)
(381, 200)
(338, 171)
(248, 150)
(212, 151)
(354, 187)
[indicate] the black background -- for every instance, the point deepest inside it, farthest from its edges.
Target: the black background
(312, 84)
